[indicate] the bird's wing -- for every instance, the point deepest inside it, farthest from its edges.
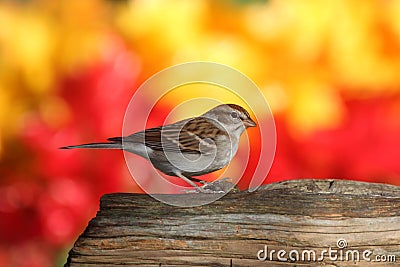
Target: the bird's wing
(182, 136)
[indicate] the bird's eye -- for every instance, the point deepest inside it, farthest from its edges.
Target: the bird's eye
(234, 115)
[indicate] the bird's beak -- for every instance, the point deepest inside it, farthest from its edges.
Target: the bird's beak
(249, 123)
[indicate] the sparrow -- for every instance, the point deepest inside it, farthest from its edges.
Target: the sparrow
(190, 147)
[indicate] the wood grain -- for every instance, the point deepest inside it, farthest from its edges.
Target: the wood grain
(299, 216)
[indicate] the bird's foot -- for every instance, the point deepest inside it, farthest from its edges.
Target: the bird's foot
(220, 186)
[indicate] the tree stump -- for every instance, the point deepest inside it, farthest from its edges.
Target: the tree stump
(291, 223)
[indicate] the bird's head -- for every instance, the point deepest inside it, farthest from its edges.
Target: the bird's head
(232, 117)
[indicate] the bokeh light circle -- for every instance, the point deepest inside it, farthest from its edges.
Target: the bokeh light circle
(178, 76)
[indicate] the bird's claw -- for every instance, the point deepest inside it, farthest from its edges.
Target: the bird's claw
(220, 186)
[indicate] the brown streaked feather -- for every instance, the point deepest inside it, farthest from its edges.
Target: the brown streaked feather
(189, 139)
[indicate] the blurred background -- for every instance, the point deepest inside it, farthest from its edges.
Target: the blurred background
(330, 71)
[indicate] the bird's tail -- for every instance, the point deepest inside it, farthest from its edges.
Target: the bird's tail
(115, 143)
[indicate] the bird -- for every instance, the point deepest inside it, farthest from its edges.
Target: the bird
(187, 148)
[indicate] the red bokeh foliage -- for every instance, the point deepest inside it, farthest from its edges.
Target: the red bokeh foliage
(363, 147)
(47, 198)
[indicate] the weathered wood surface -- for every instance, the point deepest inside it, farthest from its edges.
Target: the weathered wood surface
(301, 215)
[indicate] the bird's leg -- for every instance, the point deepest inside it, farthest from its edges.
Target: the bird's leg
(196, 180)
(220, 186)
(189, 180)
